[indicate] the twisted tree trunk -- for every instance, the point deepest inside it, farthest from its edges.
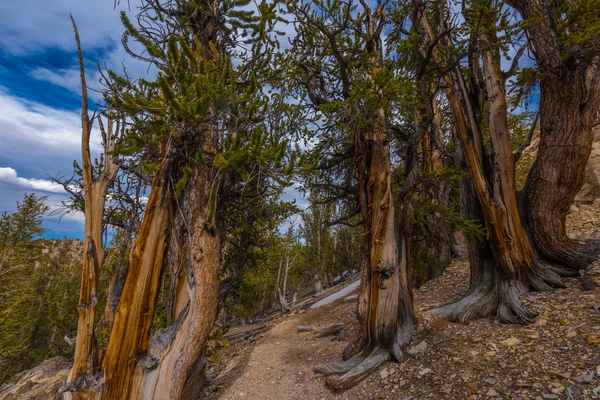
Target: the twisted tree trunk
(180, 370)
(568, 112)
(517, 270)
(129, 340)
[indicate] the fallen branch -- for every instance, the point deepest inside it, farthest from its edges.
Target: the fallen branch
(236, 337)
(332, 330)
(306, 329)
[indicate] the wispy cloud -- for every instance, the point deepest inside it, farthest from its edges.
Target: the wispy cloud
(37, 140)
(9, 176)
(68, 78)
(34, 25)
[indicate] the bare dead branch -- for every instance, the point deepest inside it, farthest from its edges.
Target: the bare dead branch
(514, 66)
(522, 147)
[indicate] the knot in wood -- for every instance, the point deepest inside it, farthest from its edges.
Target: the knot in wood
(385, 271)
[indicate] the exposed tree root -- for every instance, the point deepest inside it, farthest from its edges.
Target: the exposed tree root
(354, 370)
(499, 302)
(544, 276)
(285, 308)
(498, 297)
(581, 255)
(353, 348)
(339, 368)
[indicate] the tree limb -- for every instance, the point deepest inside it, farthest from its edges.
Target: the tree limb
(522, 147)
(514, 66)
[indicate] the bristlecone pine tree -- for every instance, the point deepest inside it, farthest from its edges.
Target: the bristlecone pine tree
(509, 264)
(95, 189)
(339, 57)
(190, 128)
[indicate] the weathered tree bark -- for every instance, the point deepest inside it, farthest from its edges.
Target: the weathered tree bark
(388, 323)
(129, 340)
(389, 319)
(170, 365)
(285, 308)
(94, 192)
(318, 284)
(179, 348)
(569, 102)
(567, 114)
(120, 267)
(286, 270)
(115, 288)
(330, 330)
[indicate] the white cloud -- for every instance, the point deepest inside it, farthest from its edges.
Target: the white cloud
(39, 139)
(33, 25)
(37, 25)
(69, 79)
(30, 121)
(9, 175)
(57, 213)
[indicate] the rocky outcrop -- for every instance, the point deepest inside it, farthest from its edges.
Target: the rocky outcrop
(39, 383)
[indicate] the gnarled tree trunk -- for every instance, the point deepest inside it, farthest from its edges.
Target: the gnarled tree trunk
(389, 319)
(568, 112)
(385, 309)
(179, 348)
(129, 341)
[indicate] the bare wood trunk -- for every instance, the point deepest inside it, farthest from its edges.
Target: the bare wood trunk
(278, 277)
(285, 308)
(179, 348)
(285, 275)
(388, 319)
(133, 320)
(438, 137)
(318, 284)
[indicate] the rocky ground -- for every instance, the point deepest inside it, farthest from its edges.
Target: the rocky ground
(558, 357)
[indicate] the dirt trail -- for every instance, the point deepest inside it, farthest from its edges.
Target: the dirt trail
(279, 365)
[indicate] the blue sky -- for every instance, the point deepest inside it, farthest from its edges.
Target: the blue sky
(40, 102)
(39, 93)
(40, 128)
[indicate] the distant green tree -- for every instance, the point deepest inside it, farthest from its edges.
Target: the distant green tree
(40, 284)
